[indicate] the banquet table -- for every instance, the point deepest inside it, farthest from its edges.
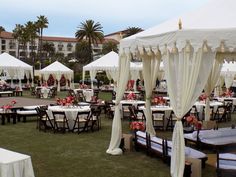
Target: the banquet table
(222, 99)
(70, 111)
(201, 104)
(13, 164)
(88, 93)
(168, 110)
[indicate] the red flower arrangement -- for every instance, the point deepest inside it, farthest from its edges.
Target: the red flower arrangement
(158, 101)
(83, 86)
(228, 93)
(202, 97)
(66, 101)
(131, 96)
(192, 120)
(137, 126)
(9, 106)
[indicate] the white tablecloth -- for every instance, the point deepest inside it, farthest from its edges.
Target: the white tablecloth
(227, 98)
(71, 112)
(88, 93)
(45, 91)
(13, 164)
(167, 110)
(200, 104)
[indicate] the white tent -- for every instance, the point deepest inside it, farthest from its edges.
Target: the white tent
(57, 69)
(189, 45)
(110, 64)
(15, 68)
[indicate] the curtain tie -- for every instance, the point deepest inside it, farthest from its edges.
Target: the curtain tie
(148, 98)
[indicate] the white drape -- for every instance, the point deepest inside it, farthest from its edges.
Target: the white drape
(229, 78)
(134, 75)
(211, 83)
(151, 64)
(187, 72)
(92, 76)
(116, 133)
(113, 74)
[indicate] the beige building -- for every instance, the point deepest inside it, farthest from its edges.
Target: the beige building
(64, 45)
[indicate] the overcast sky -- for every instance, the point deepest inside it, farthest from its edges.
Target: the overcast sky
(65, 16)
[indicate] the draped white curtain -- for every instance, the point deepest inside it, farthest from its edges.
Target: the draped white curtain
(229, 78)
(134, 75)
(211, 83)
(151, 64)
(58, 78)
(113, 74)
(187, 72)
(92, 74)
(116, 134)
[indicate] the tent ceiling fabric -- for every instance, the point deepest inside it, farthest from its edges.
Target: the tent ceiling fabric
(14, 66)
(213, 24)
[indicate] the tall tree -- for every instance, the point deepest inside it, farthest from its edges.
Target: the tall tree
(132, 30)
(41, 23)
(109, 46)
(82, 52)
(1, 30)
(91, 32)
(17, 34)
(48, 48)
(31, 30)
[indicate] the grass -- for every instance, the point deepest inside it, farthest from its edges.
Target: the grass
(83, 155)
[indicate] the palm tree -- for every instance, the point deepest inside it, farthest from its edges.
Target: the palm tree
(48, 48)
(17, 34)
(31, 30)
(1, 30)
(90, 31)
(132, 30)
(41, 24)
(109, 46)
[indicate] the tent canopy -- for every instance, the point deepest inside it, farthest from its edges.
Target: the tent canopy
(15, 67)
(106, 62)
(109, 62)
(192, 47)
(57, 69)
(214, 24)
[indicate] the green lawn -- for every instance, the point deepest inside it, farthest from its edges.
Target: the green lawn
(83, 155)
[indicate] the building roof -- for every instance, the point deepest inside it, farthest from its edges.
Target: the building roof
(6, 35)
(118, 32)
(9, 35)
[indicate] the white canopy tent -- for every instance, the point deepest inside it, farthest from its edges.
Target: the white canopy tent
(188, 45)
(15, 68)
(57, 69)
(109, 63)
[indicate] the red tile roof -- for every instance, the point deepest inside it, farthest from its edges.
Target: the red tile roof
(8, 35)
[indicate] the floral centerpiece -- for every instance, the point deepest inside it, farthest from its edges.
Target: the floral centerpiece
(158, 101)
(83, 86)
(135, 126)
(202, 97)
(228, 93)
(68, 101)
(8, 106)
(131, 96)
(192, 120)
